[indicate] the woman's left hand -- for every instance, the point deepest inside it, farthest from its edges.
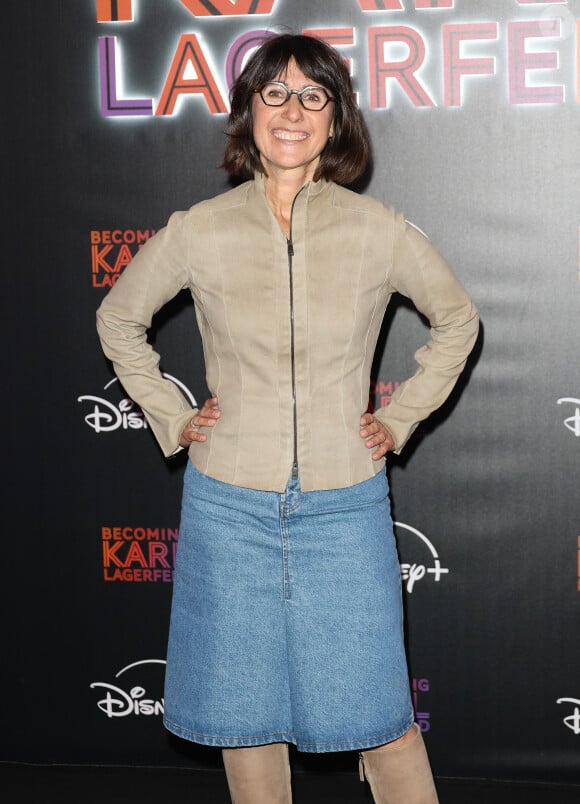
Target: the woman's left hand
(377, 436)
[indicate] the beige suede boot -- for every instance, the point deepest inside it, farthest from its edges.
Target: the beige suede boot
(258, 775)
(399, 774)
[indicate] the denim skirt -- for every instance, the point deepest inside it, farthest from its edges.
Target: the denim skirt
(286, 622)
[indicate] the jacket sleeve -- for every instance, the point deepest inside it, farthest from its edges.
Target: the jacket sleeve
(421, 274)
(157, 273)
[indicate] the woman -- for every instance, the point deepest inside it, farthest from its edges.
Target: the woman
(286, 623)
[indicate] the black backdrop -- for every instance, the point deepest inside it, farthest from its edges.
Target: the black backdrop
(473, 111)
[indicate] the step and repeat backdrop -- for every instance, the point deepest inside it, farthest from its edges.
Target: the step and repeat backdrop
(114, 118)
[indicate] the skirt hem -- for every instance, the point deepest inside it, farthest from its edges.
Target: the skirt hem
(360, 744)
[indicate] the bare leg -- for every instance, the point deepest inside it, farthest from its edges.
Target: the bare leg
(399, 772)
(258, 775)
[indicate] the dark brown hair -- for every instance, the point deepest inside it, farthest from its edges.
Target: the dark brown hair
(346, 154)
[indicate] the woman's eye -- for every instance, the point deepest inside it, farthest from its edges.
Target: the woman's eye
(313, 96)
(275, 93)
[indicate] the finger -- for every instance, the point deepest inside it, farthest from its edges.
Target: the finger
(366, 424)
(190, 435)
(209, 412)
(386, 445)
(365, 419)
(206, 417)
(189, 431)
(382, 445)
(376, 441)
(197, 436)
(210, 420)
(379, 453)
(371, 429)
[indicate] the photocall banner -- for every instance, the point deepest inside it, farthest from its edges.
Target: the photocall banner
(114, 118)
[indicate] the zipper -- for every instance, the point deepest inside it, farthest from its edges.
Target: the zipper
(290, 251)
(290, 247)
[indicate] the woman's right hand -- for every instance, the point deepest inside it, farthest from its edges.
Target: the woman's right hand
(207, 416)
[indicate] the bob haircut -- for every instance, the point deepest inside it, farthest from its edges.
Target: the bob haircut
(345, 156)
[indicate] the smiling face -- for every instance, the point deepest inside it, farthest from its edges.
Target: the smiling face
(291, 138)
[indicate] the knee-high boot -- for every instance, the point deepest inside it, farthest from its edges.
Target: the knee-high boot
(399, 774)
(258, 775)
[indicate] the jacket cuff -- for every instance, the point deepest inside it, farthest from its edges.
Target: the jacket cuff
(169, 432)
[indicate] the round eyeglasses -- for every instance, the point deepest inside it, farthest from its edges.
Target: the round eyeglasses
(276, 93)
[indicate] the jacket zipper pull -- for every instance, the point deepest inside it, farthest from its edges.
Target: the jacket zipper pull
(290, 247)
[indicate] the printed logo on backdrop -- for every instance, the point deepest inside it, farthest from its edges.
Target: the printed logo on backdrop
(112, 250)
(423, 60)
(380, 393)
(139, 554)
(116, 411)
(134, 691)
(419, 688)
(572, 719)
(571, 408)
(420, 560)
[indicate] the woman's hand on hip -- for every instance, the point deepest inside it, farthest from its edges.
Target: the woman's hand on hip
(207, 416)
(377, 436)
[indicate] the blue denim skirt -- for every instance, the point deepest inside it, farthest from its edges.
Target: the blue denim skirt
(286, 622)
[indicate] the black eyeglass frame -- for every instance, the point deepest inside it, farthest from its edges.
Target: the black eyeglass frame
(297, 92)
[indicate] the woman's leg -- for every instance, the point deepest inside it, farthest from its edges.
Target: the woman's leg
(258, 775)
(399, 772)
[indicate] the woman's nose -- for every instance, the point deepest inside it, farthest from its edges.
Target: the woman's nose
(293, 108)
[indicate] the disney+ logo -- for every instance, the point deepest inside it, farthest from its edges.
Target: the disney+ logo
(572, 721)
(420, 558)
(120, 702)
(106, 416)
(572, 422)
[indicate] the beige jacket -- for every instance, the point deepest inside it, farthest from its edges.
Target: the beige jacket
(289, 330)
